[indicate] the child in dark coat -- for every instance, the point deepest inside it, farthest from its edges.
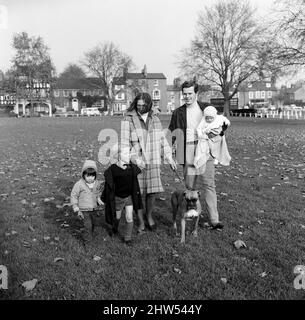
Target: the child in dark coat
(121, 191)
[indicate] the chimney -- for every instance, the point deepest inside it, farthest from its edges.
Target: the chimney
(144, 71)
(177, 82)
(125, 71)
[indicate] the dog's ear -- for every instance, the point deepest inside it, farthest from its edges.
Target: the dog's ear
(199, 193)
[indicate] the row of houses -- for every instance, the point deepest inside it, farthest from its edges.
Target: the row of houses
(75, 94)
(166, 98)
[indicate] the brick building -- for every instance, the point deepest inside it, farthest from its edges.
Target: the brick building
(256, 94)
(69, 94)
(130, 84)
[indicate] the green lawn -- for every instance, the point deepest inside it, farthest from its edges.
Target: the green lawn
(261, 199)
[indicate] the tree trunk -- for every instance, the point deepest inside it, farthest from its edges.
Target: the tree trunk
(110, 100)
(226, 107)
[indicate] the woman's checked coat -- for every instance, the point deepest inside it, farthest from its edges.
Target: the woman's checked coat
(145, 144)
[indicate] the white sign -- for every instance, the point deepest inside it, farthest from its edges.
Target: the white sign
(3, 17)
(299, 280)
(3, 277)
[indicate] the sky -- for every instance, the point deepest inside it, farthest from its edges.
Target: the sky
(152, 32)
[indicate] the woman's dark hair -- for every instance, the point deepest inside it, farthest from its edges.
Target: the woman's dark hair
(141, 96)
(89, 172)
(188, 84)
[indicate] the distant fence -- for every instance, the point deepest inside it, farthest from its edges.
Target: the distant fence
(275, 114)
(66, 115)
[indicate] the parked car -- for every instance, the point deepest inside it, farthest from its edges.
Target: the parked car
(261, 112)
(13, 114)
(297, 108)
(70, 114)
(272, 108)
(94, 111)
(119, 113)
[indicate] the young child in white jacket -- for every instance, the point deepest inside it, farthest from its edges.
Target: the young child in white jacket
(216, 146)
(85, 197)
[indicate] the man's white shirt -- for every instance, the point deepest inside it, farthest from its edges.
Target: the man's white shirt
(194, 115)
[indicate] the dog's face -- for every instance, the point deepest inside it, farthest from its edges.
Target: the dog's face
(191, 198)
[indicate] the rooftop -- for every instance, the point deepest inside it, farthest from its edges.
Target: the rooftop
(84, 83)
(171, 87)
(140, 75)
(257, 85)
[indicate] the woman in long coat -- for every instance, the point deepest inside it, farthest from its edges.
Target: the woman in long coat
(143, 142)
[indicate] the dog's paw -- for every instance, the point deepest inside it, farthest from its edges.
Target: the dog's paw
(174, 232)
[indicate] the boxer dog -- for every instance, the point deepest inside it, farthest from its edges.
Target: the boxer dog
(182, 202)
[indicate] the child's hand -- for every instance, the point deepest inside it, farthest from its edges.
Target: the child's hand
(200, 134)
(80, 215)
(100, 202)
(121, 164)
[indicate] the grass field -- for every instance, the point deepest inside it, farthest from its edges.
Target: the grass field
(261, 199)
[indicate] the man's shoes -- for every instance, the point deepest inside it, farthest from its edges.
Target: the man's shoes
(217, 226)
(128, 243)
(152, 227)
(207, 225)
(141, 231)
(114, 231)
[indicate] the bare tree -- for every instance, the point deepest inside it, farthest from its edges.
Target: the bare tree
(229, 47)
(106, 61)
(288, 20)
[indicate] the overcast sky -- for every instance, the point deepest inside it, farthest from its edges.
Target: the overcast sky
(151, 31)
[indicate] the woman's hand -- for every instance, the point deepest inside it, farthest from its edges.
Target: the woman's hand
(173, 164)
(140, 163)
(80, 215)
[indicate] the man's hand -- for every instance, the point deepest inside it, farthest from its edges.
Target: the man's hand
(80, 215)
(211, 135)
(224, 128)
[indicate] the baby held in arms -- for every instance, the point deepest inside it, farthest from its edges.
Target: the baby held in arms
(210, 142)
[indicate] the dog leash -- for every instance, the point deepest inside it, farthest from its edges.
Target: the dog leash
(177, 174)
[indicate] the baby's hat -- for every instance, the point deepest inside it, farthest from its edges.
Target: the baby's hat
(210, 111)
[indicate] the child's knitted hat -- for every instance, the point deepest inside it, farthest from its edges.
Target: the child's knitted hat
(89, 167)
